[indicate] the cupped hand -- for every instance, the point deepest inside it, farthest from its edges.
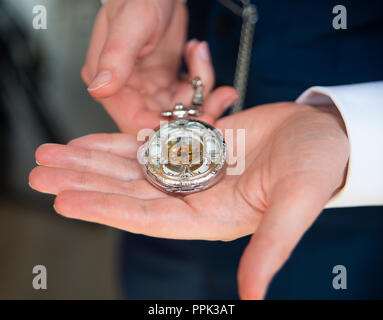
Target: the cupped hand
(133, 61)
(295, 160)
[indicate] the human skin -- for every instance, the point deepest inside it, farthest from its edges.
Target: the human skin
(296, 155)
(296, 158)
(140, 44)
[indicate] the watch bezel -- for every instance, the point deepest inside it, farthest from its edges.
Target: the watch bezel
(185, 186)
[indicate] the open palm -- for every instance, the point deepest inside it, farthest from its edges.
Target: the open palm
(295, 155)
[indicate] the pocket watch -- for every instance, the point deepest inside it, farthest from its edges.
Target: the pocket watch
(184, 155)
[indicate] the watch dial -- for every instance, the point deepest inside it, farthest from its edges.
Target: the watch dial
(184, 155)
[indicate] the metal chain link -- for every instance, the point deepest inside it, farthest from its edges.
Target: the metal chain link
(196, 106)
(249, 16)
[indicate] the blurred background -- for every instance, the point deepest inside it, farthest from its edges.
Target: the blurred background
(43, 99)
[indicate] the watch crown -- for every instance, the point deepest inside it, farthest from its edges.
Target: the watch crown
(179, 106)
(180, 111)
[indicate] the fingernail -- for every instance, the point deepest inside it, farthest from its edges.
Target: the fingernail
(101, 80)
(191, 43)
(204, 51)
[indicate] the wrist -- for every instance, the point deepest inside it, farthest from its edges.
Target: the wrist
(331, 121)
(329, 113)
(334, 112)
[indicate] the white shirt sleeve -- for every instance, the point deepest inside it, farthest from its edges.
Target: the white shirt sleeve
(361, 106)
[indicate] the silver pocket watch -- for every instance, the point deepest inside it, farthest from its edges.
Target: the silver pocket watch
(184, 155)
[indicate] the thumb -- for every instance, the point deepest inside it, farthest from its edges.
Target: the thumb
(130, 33)
(292, 210)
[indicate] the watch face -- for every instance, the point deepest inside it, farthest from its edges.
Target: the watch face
(184, 156)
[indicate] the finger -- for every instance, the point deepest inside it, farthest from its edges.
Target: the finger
(55, 180)
(189, 45)
(76, 158)
(217, 103)
(199, 63)
(124, 145)
(97, 41)
(130, 31)
(293, 209)
(169, 50)
(168, 217)
(197, 56)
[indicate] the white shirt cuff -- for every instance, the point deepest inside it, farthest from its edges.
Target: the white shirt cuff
(361, 106)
